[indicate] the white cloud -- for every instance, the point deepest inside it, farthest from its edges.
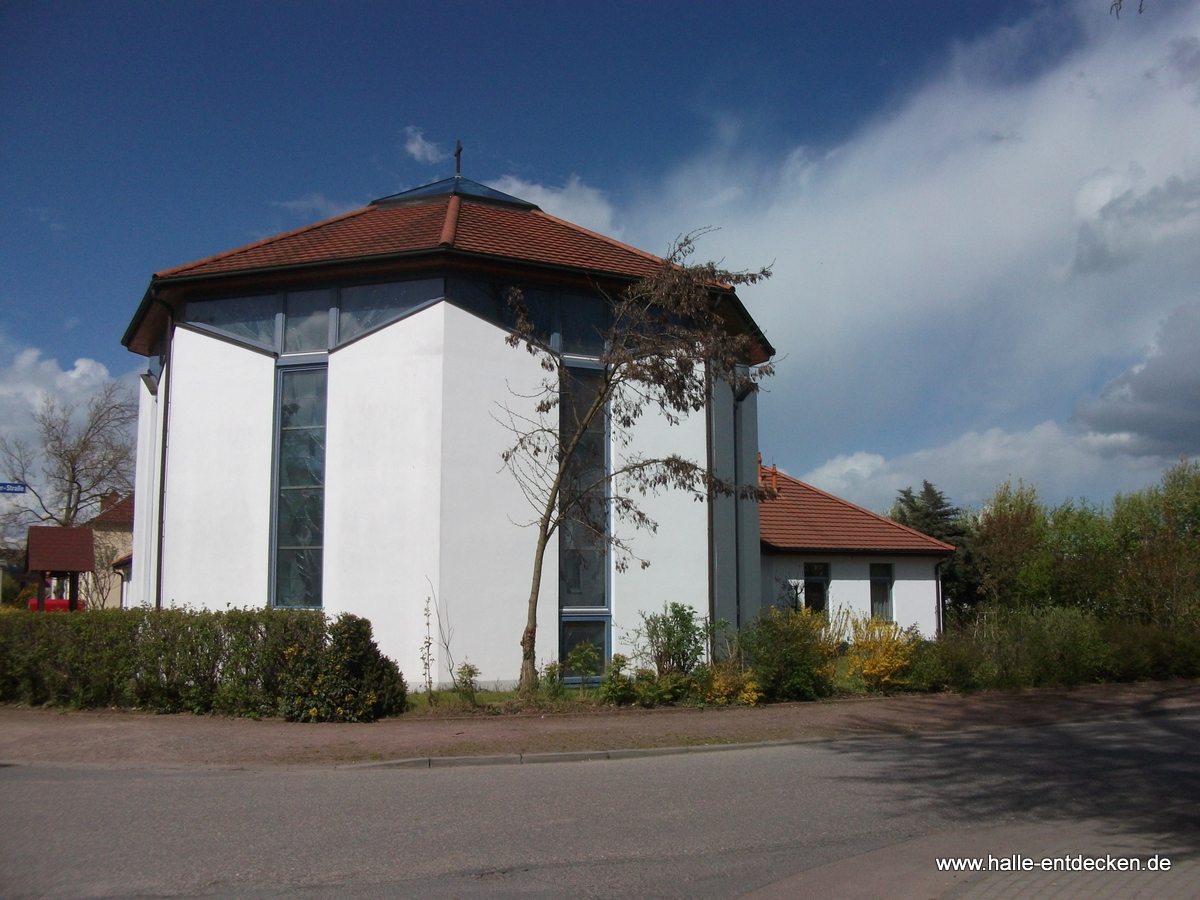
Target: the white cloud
(318, 204)
(574, 201)
(984, 256)
(421, 150)
(27, 378)
(1061, 462)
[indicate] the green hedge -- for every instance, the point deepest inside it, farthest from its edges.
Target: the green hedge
(1051, 647)
(292, 663)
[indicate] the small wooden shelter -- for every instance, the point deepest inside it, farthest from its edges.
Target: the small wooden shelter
(61, 554)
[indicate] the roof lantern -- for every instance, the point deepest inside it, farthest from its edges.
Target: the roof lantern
(448, 187)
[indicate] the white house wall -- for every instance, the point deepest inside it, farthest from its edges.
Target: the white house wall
(140, 590)
(678, 550)
(486, 557)
(383, 479)
(217, 509)
(914, 589)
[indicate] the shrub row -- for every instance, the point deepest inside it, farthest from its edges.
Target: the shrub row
(292, 663)
(1051, 647)
(798, 655)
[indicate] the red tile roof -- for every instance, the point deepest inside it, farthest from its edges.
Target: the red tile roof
(801, 517)
(452, 223)
(54, 549)
(115, 517)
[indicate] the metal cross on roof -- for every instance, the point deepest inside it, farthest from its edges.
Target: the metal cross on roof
(458, 158)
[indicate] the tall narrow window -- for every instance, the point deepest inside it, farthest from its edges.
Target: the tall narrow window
(300, 500)
(881, 591)
(816, 586)
(582, 537)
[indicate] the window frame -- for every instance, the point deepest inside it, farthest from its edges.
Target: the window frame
(888, 580)
(296, 362)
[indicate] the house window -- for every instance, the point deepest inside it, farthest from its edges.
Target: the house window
(250, 319)
(300, 487)
(582, 536)
(573, 632)
(312, 321)
(881, 591)
(366, 307)
(816, 586)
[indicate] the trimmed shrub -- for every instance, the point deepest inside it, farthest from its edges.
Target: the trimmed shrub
(240, 662)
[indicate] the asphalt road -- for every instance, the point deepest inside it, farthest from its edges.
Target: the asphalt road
(712, 825)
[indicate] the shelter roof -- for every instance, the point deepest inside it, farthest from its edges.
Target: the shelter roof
(801, 517)
(55, 549)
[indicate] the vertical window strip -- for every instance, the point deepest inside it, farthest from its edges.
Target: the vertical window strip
(300, 487)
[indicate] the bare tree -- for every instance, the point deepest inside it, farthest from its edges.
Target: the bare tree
(82, 455)
(670, 337)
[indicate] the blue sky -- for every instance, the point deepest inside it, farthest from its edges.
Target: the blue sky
(983, 218)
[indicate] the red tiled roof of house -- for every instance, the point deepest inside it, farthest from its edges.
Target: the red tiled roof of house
(458, 223)
(55, 549)
(801, 517)
(114, 517)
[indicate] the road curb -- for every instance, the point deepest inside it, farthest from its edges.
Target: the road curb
(528, 759)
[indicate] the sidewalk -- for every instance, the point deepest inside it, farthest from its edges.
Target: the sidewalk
(908, 871)
(140, 740)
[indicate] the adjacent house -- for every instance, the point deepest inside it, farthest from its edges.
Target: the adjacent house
(112, 531)
(321, 423)
(823, 552)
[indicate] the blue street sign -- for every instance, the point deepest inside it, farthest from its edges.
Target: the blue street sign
(8, 487)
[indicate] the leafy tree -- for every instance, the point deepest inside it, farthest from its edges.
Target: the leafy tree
(668, 340)
(931, 512)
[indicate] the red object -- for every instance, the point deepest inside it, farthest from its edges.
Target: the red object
(476, 227)
(54, 604)
(802, 518)
(53, 549)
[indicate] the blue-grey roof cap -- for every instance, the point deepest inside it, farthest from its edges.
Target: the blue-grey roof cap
(464, 187)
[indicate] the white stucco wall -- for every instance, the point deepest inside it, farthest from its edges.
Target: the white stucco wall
(217, 509)
(678, 550)
(382, 482)
(486, 556)
(140, 589)
(914, 590)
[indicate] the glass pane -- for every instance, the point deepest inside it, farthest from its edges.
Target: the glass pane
(298, 577)
(816, 570)
(483, 298)
(574, 633)
(368, 306)
(303, 398)
(248, 318)
(881, 600)
(302, 457)
(582, 567)
(881, 571)
(306, 327)
(539, 306)
(301, 518)
(814, 595)
(584, 325)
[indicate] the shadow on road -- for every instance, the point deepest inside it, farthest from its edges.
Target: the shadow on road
(1140, 774)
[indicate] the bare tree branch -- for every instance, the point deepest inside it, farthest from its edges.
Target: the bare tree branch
(82, 455)
(669, 340)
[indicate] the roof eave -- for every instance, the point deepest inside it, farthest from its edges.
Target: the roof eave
(856, 551)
